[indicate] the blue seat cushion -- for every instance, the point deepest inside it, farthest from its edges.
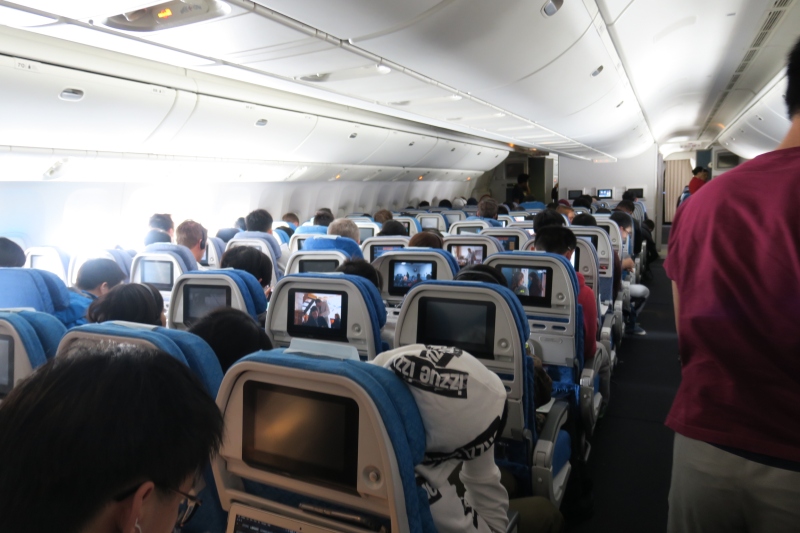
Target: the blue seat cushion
(347, 246)
(181, 253)
(49, 330)
(199, 356)
(271, 241)
(28, 336)
(311, 230)
(491, 221)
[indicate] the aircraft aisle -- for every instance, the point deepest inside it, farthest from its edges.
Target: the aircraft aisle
(631, 457)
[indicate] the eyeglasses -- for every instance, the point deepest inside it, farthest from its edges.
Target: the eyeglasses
(187, 508)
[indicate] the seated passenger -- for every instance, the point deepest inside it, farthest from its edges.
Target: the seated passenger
(445, 203)
(344, 227)
(232, 334)
(382, 216)
(518, 284)
(360, 267)
(110, 439)
(160, 223)
(260, 220)
(582, 201)
(95, 278)
(472, 201)
(156, 235)
(548, 217)
(11, 255)
(560, 240)
(226, 234)
(292, 219)
(589, 220)
(392, 227)
(566, 210)
(131, 302)
(423, 204)
(487, 211)
(323, 217)
(193, 236)
(639, 293)
(250, 260)
(459, 203)
(426, 239)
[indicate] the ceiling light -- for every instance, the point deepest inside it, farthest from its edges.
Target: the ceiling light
(383, 69)
(419, 178)
(597, 71)
(455, 97)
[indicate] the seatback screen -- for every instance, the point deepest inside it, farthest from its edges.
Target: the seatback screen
(575, 260)
(510, 243)
(406, 224)
(158, 273)
(318, 265)
(460, 323)
(199, 300)
(452, 219)
(378, 250)
(533, 286)
(305, 435)
(365, 233)
(469, 229)
(6, 364)
(468, 254)
(317, 315)
(429, 222)
(406, 274)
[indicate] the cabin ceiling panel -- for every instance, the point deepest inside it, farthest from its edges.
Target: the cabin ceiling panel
(391, 88)
(331, 59)
(446, 154)
(78, 9)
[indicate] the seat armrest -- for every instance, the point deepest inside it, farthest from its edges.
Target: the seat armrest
(543, 453)
(513, 521)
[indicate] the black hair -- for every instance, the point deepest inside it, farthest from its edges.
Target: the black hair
(472, 201)
(360, 267)
(85, 429)
(424, 203)
(483, 273)
(446, 203)
(240, 223)
(626, 205)
(555, 240)
(698, 170)
(622, 219)
(162, 221)
(628, 195)
(323, 218)
(584, 219)
(487, 208)
(259, 220)
(548, 217)
(232, 334)
(156, 235)
(582, 202)
(250, 260)
(11, 255)
(426, 239)
(393, 227)
(502, 209)
(552, 205)
(326, 209)
(131, 302)
(522, 178)
(649, 224)
(95, 272)
(793, 75)
(603, 211)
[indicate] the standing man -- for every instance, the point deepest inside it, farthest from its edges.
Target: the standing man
(736, 459)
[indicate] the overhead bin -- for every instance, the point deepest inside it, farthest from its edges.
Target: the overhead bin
(401, 149)
(337, 141)
(47, 106)
(446, 154)
(481, 158)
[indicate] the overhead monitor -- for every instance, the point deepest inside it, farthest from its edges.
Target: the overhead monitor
(304, 435)
(158, 273)
(365, 233)
(533, 286)
(429, 222)
(574, 194)
(378, 250)
(318, 265)
(199, 300)
(467, 255)
(6, 364)
(469, 229)
(406, 274)
(510, 242)
(605, 194)
(463, 324)
(638, 193)
(317, 315)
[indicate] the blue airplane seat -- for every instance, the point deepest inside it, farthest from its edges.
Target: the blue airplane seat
(214, 253)
(398, 433)
(124, 259)
(251, 291)
(282, 236)
(182, 254)
(40, 334)
(226, 234)
(452, 261)
(268, 238)
(491, 221)
(532, 205)
(316, 230)
(343, 244)
(42, 291)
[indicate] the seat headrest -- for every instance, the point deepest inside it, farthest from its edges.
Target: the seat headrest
(272, 243)
(226, 234)
(329, 242)
(184, 256)
(315, 230)
(49, 330)
(249, 287)
(282, 236)
(29, 337)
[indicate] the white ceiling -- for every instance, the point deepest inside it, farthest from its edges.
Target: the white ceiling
(498, 69)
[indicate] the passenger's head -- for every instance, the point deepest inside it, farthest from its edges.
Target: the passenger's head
(291, 218)
(259, 220)
(623, 220)
(163, 222)
(482, 273)
(548, 217)
(603, 211)
(472, 201)
(344, 227)
(649, 224)
(556, 240)
(459, 202)
(98, 276)
(104, 440)
(446, 203)
(700, 172)
(11, 255)
(156, 235)
(360, 267)
(584, 219)
(424, 203)
(626, 206)
(250, 260)
(502, 209)
(567, 211)
(426, 239)
(382, 216)
(582, 201)
(192, 235)
(323, 218)
(393, 227)
(232, 334)
(487, 208)
(630, 196)
(240, 223)
(131, 302)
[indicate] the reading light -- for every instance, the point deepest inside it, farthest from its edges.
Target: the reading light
(469, 178)
(419, 178)
(164, 13)
(338, 176)
(71, 95)
(383, 69)
(597, 71)
(261, 122)
(552, 7)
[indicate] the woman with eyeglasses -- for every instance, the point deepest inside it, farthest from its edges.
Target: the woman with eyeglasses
(110, 439)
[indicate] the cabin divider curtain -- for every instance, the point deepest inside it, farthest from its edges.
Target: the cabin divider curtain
(678, 174)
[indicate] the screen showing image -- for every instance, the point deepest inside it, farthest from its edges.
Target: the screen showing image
(468, 255)
(520, 218)
(406, 274)
(365, 233)
(429, 222)
(452, 219)
(245, 524)
(300, 244)
(159, 273)
(406, 224)
(377, 251)
(6, 364)
(510, 243)
(317, 315)
(604, 194)
(199, 300)
(575, 259)
(301, 434)
(469, 229)
(533, 286)
(459, 323)
(574, 195)
(318, 265)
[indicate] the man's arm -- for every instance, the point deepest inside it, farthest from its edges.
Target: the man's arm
(676, 303)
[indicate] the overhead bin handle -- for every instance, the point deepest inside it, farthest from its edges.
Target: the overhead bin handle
(71, 95)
